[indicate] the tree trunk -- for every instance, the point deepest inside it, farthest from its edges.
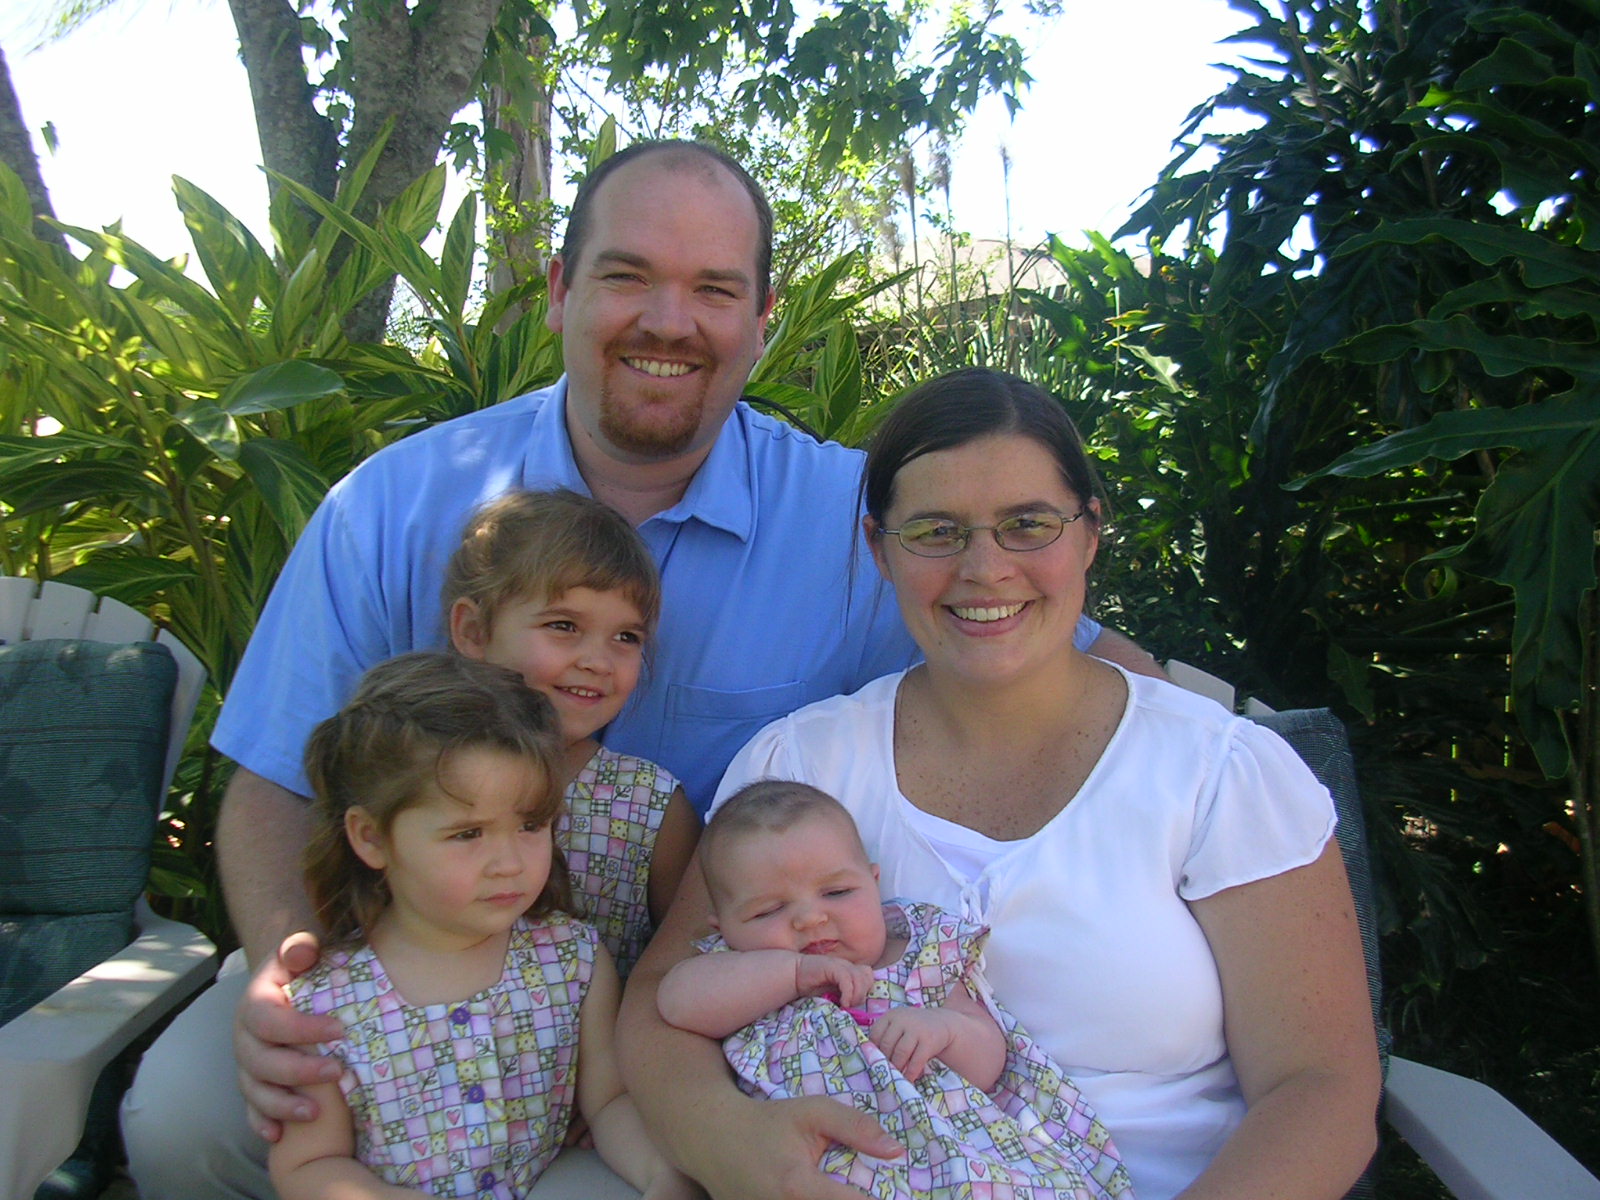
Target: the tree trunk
(517, 189)
(296, 140)
(420, 70)
(417, 69)
(16, 151)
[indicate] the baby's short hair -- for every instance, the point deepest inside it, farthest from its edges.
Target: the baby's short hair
(766, 806)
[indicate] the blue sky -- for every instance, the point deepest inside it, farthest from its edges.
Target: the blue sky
(154, 88)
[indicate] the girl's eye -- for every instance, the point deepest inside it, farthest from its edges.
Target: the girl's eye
(465, 835)
(560, 626)
(835, 893)
(631, 637)
(533, 825)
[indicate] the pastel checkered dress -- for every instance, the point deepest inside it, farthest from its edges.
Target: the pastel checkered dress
(464, 1099)
(613, 812)
(1033, 1138)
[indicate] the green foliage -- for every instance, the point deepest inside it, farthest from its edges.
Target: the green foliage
(1383, 295)
(847, 79)
(165, 443)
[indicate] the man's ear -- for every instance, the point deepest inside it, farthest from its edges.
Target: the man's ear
(555, 314)
(766, 312)
(365, 838)
(467, 632)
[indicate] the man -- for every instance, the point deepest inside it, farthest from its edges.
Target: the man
(662, 294)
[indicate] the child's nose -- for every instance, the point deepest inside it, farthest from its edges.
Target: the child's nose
(593, 657)
(505, 859)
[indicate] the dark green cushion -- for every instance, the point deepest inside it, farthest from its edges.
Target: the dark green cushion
(83, 738)
(40, 954)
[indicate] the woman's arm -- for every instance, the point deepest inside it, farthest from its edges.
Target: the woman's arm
(619, 1135)
(674, 846)
(737, 1147)
(1298, 1021)
(717, 994)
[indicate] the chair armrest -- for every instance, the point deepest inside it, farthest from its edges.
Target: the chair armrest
(51, 1055)
(1480, 1145)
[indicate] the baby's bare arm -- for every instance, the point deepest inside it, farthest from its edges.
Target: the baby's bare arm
(717, 994)
(960, 1032)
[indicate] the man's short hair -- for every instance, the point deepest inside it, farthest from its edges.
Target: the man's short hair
(679, 150)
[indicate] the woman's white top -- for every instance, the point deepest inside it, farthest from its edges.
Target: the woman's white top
(1092, 946)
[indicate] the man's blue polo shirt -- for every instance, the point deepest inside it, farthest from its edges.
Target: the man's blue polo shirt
(768, 599)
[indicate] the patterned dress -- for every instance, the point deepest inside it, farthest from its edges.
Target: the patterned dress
(1033, 1138)
(608, 833)
(464, 1099)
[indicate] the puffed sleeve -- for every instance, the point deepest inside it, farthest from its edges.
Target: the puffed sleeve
(765, 756)
(1262, 813)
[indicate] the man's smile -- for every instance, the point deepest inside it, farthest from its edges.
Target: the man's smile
(660, 368)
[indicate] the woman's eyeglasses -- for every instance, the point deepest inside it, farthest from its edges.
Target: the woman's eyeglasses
(936, 537)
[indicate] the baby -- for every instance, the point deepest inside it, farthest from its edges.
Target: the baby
(817, 988)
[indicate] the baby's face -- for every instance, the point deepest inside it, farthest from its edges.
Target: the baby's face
(808, 888)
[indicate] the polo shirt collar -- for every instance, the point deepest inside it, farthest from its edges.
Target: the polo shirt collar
(548, 462)
(720, 494)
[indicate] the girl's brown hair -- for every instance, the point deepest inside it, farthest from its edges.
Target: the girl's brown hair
(545, 544)
(395, 738)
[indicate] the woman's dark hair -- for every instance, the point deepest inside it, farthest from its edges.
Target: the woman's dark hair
(962, 407)
(409, 716)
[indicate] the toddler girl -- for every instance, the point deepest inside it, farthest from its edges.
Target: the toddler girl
(820, 989)
(561, 589)
(477, 1013)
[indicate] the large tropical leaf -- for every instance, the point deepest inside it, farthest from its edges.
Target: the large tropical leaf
(279, 386)
(290, 485)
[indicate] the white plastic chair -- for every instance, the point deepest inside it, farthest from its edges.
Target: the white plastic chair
(1479, 1144)
(51, 1055)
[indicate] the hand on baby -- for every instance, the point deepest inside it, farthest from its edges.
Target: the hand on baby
(845, 983)
(911, 1036)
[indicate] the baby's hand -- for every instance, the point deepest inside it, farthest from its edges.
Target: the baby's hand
(816, 974)
(911, 1036)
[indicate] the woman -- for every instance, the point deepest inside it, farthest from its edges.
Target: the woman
(1168, 907)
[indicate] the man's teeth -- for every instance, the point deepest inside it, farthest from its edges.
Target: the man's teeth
(997, 613)
(659, 368)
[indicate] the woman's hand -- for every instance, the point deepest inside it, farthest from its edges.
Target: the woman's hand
(780, 1142)
(267, 1031)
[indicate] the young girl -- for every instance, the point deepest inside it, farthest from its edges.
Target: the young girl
(477, 1013)
(820, 989)
(562, 589)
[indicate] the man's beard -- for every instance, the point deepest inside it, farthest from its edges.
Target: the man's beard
(651, 426)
